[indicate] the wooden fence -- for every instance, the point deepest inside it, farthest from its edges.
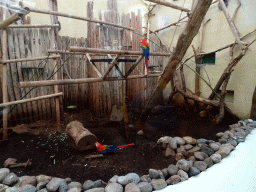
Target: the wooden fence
(99, 97)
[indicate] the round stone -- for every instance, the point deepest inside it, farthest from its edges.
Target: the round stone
(183, 164)
(153, 173)
(173, 143)
(172, 169)
(193, 171)
(173, 180)
(114, 187)
(180, 141)
(145, 187)
(214, 146)
(158, 184)
(183, 175)
(200, 165)
(216, 158)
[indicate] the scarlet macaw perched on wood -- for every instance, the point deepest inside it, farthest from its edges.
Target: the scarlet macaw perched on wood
(109, 148)
(145, 49)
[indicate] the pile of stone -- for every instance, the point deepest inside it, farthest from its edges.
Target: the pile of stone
(193, 156)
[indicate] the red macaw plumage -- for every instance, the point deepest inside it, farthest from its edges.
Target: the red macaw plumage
(109, 148)
(145, 49)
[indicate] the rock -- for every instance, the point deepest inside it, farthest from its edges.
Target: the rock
(164, 141)
(190, 163)
(3, 187)
(198, 156)
(248, 121)
(188, 147)
(211, 141)
(240, 140)
(214, 146)
(224, 150)
(179, 156)
(54, 184)
(225, 136)
(191, 151)
(27, 188)
(113, 179)
(252, 124)
(173, 143)
(114, 187)
(43, 179)
(3, 173)
(183, 164)
(200, 165)
(158, 184)
(12, 189)
(140, 132)
(193, 171)
(223, 141)
(216, 158)
(40, 186)
(87, 184)
(207, 150)
(43, 190)
(169, 152)
(101, 189)
(79, 185)
(27, 180)
(161, 176)
(209, 162)
(228, 133)
(133, 178)
(75, 189)
(203, 141)
(173, 180)
(192, 158)
(181, 150)
(180, 141)
(241, 123)
(11, 179)
(232, 142)
(153, 174)
(123, 180)
(131, 187)
(183, 175)
(220, 134)
(172, 169)
(145, 178)
(68, 180)
(165, 172)
(204, 155)
(145, 187)
(189, 140)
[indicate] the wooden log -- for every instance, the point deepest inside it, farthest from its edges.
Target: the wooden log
(75, 17)
(78, 81)
(82, 137)
(167, 4)
(10, 20)
(184, 41)
(33, 26)
(231, 24)
(30, 99)
(117, 52)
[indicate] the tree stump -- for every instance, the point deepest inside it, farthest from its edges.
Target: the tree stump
(82, 137)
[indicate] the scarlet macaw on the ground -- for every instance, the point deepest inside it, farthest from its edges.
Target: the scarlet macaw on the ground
(109, 148)
(145, 49)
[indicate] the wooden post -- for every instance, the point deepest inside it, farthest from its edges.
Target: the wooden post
(55, 77)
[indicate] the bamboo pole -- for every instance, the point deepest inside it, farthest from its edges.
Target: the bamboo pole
(79, 81)
(231, 24)
(75, 17)
(118, 52)
(10, 20)
(167, 4)
(29, 59)
(33, 26)
(30, 99)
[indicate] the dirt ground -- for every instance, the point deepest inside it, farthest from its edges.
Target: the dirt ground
(51, 153)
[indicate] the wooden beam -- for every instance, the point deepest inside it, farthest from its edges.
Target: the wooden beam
(133, 66)
(93, 65)
(167, 4)
(117, 52)
(10, 20)
(113, 63)
(79, 81)
(117, 68)
(231, 24)
(29, 59)
(170, 25)
(75, 17)
(32, 26)
(31, 99)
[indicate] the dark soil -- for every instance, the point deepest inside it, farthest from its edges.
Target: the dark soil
(51, 153)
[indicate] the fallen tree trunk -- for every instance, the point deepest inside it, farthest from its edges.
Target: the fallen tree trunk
(184, 41)
(83, 138)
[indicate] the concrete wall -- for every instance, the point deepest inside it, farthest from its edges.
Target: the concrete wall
(216, 34)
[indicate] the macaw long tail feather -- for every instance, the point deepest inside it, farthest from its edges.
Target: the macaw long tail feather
(123, 146)
(146, 60)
